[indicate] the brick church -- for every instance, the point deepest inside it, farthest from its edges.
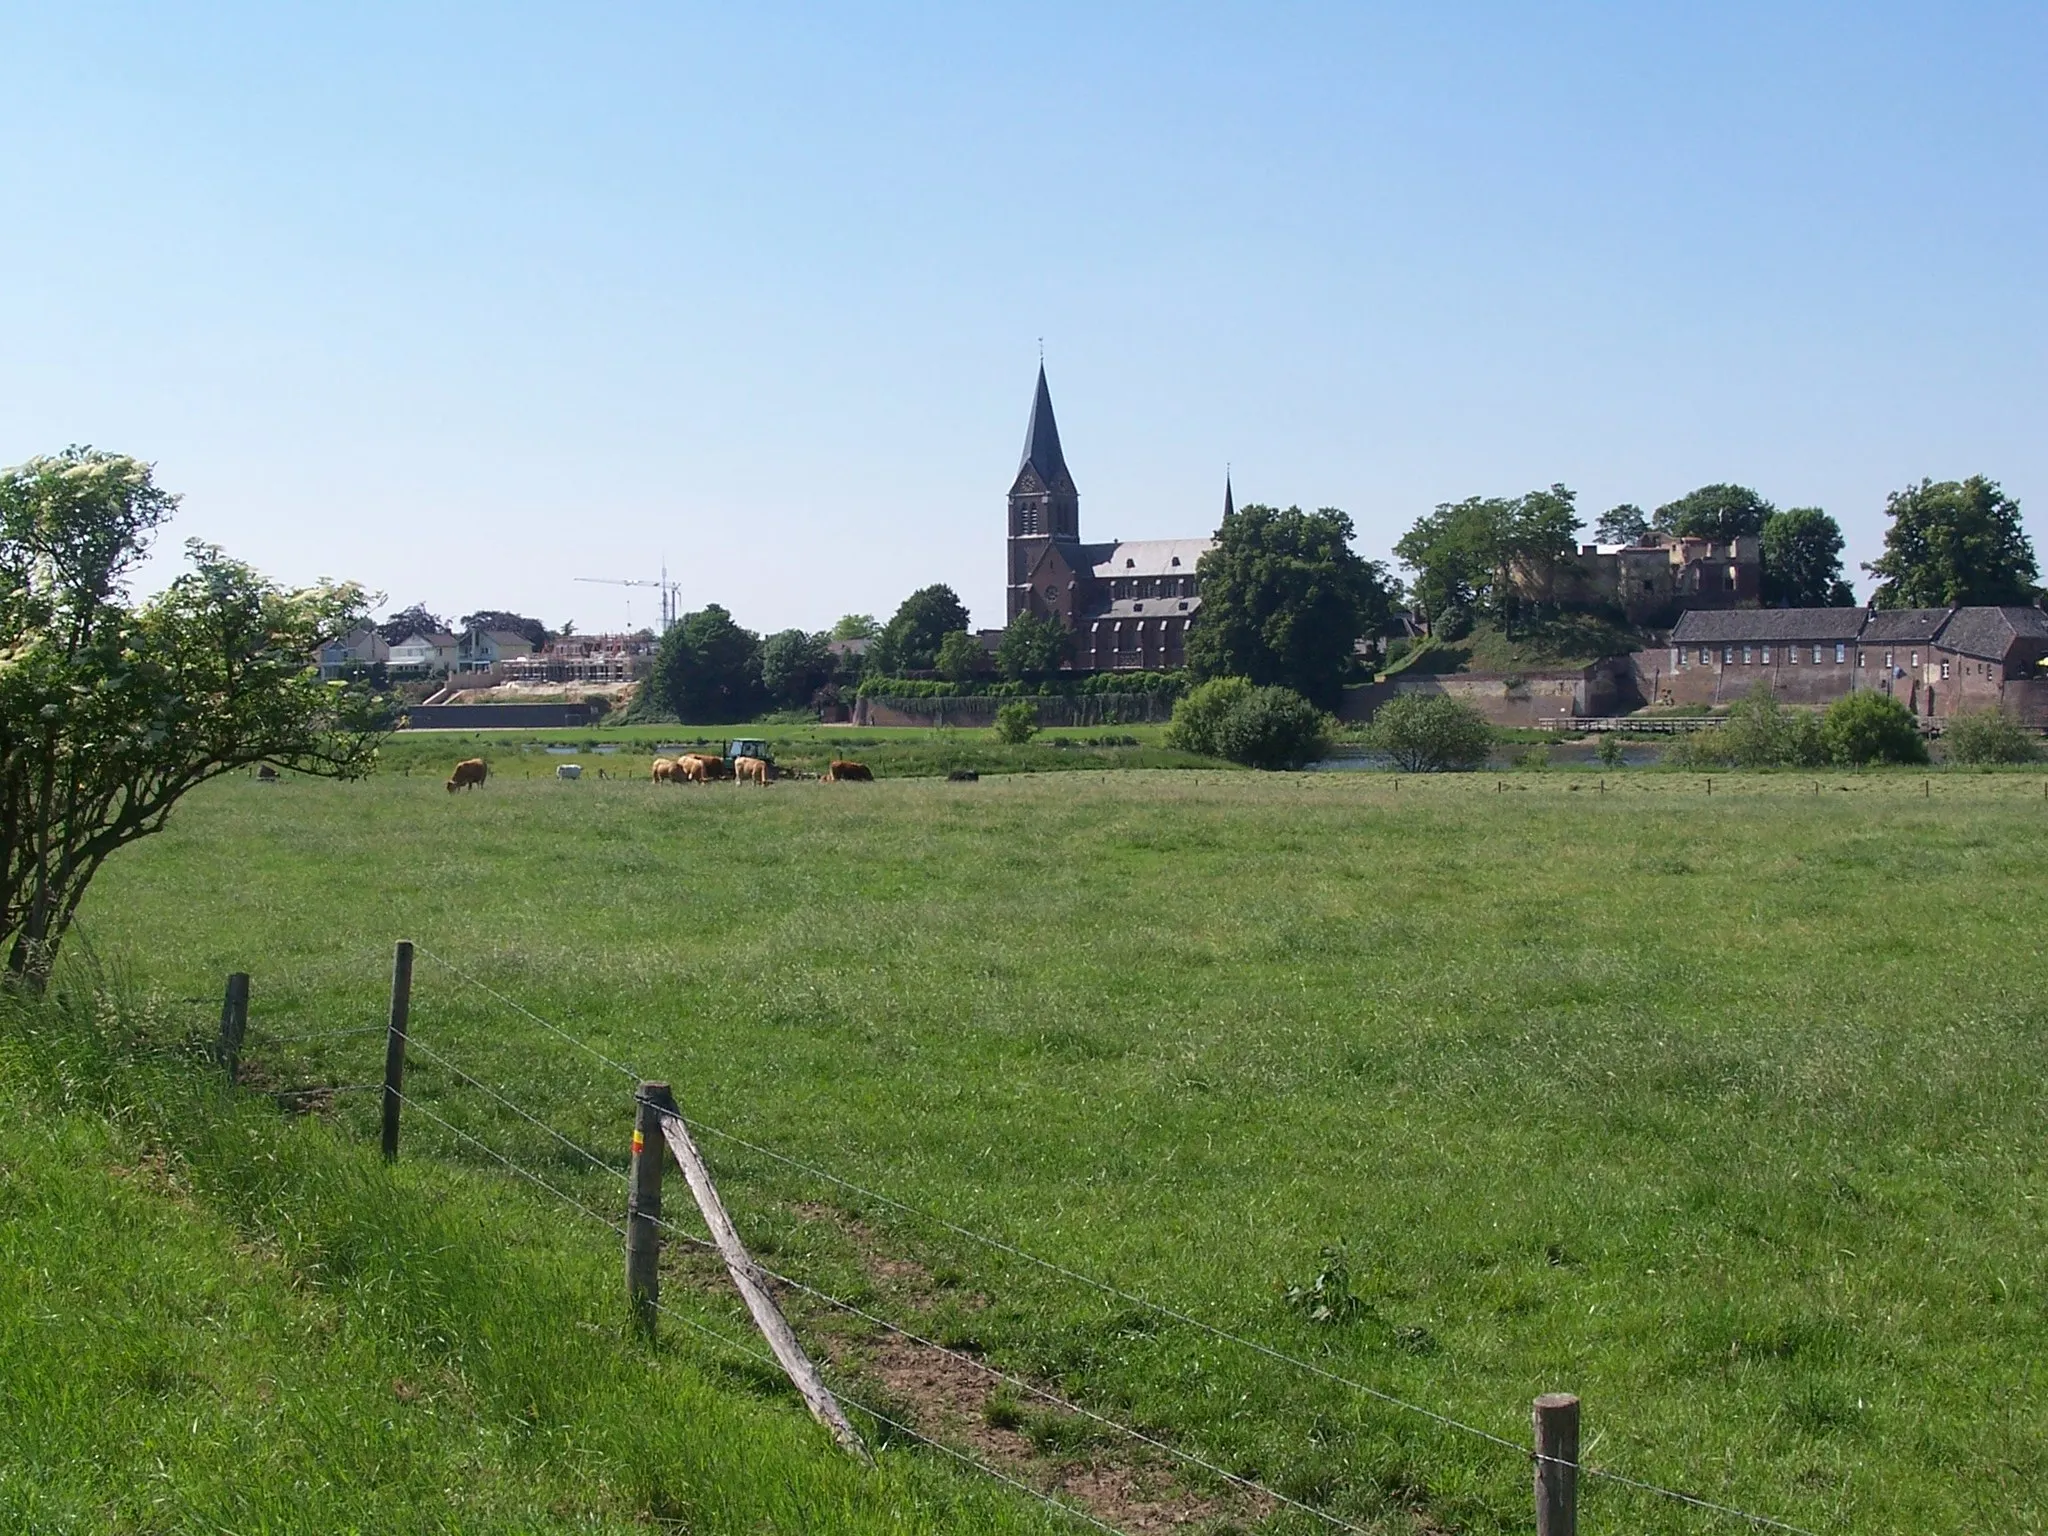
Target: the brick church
(1127, 605)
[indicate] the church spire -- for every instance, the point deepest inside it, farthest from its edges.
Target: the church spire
(1042, 438)
(1229, 503)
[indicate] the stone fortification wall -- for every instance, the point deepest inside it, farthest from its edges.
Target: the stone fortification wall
(1053, 712)
(1524, 699)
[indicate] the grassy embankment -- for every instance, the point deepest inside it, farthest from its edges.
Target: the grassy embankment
(1723, 1112)
(215, 1318)
(1567, 641)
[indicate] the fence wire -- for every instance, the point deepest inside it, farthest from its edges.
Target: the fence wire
(1520, 1449)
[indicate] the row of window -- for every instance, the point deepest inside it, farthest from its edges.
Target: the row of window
(1155, 586)
(1791, 654)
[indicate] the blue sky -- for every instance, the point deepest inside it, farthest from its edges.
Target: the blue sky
(467, 302)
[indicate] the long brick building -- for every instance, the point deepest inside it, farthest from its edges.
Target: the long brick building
(1126, 604)
(1936, 661)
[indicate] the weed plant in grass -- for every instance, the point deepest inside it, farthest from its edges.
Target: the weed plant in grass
(217, 1319)
(1721, 1111)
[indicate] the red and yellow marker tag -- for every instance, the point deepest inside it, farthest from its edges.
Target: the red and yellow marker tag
(639, 1141)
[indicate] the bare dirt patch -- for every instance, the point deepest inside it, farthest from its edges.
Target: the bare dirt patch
(951, 1397)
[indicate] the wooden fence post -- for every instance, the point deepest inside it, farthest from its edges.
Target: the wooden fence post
(643, 1204)
(1557, 1464)
(394, 1044)
(234, 1023)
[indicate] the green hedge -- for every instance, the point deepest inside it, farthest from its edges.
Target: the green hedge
(1169, 684)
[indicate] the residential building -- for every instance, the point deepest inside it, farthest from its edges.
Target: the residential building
(431, 654)
(611, 658)
(362, 647)
(1936, 661)
(481, 649)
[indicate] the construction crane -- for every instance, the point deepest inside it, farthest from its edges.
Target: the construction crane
(669, 590)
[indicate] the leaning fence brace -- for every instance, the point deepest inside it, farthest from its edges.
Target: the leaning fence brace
(746, 1274)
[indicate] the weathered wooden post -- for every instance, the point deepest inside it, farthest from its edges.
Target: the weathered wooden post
(234, 1023)
(394, 1044)
(643, 1204)
(1557, 1464)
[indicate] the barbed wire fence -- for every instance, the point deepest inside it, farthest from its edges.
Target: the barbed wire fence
(1553, 1456)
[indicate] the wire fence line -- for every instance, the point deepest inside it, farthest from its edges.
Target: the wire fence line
(1061, 1506)
(1179, 1453)
(413, 1044)
(1519, 1448)
(741, 1347)
(525, 1173)
(323, 1034)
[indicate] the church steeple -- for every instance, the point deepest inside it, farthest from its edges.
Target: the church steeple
(1229, 504)
(1042, 439)
(1045, 508)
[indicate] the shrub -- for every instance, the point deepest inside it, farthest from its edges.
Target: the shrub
(1761, 733)
(1017, 722)
(1987, 736)
(1428, 733)
(1200, 711)
(1871, 727)
(1806, 743)
(1609, 750)
(1696, 750)
(1274, 728)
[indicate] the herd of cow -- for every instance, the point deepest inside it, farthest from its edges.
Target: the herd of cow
(703, 767)
(690, 768)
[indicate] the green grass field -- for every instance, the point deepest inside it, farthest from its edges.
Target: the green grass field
(1724, 1112)
(891, 751)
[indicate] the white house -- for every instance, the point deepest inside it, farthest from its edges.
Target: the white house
(358, 648)
(481, 649)
(428, 653)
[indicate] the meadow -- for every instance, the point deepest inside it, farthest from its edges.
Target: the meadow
(1723, 1111)
(892, 751)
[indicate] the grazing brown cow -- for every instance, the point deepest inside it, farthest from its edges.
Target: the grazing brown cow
(469, 773)
(848, 773)
(750, 770)
(715, 767)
